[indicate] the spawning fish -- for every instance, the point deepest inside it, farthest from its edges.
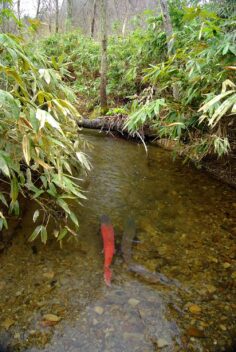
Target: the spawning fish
(126, 246)
(127, 240)
(108, 236)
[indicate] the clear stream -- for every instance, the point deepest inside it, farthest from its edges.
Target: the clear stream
(186, 230)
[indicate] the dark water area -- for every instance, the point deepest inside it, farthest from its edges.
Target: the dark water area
(185, 230)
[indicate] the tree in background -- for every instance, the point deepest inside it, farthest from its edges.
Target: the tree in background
(38, 8)
(85, 14)
(18, 9)
(69, 14)
(57, 16)
(103, 83)
(48, 12)
(93, 18)
(5, 14)
(167, 24)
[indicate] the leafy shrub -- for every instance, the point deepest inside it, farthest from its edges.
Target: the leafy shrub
(39, 146)
(127, 57)
(193, 75)
(202, 62)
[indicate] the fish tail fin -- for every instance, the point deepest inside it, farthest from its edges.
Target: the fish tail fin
(107, 276)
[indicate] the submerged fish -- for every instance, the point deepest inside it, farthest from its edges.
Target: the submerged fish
(126, 247)
(127, 239)
(108, 236)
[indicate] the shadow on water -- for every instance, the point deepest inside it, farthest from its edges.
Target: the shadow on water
(185, 231)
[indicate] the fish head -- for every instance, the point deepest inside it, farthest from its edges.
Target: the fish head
(105, 220)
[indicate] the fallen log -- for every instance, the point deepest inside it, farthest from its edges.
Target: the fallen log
(115, 124)
(106, 123)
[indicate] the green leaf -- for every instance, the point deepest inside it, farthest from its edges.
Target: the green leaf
(36, 215)
(83, 160)
(52, 190)
(222, 110)
(4, 167)
(14, 189)
(9, 105)
(73, 217)
(34, 122)
(3, 221)
(44, 117)
(63, 205)
(62, 234)
(14, 208)
(44, 234)
(217, 98)
(35, 233)
(45, 74)
(3, 199)
(26, 148)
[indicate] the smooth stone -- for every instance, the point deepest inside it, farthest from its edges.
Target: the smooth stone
(133, 302)
(133, 335)
(95, 322)
(99, 310)
(162, 343)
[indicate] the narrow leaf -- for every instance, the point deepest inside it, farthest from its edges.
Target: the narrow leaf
(35, 233)
(26, 148)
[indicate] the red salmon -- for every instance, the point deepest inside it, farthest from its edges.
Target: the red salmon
(108, 236)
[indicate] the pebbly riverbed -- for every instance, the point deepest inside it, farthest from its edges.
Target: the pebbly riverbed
(56, 300)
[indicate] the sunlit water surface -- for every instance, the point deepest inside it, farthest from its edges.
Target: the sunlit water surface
(186, 230)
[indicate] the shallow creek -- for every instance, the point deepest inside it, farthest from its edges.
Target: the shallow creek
(186, 230)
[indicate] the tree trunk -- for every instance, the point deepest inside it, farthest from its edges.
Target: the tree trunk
(49, 9)
(18, 9)
(167, 25)
(38, 8)
(93, 18)
(5, 21)
(124, 25)
(57, 16)
(69, 14)
(170, 41)
(103, 83)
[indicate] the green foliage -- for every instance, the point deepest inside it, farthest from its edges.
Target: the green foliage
(7, 14)
(148, 112)
(204, 55)
(191, 78)
(127, 57)
(79, 58)
(39, 146)
(220, 106)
